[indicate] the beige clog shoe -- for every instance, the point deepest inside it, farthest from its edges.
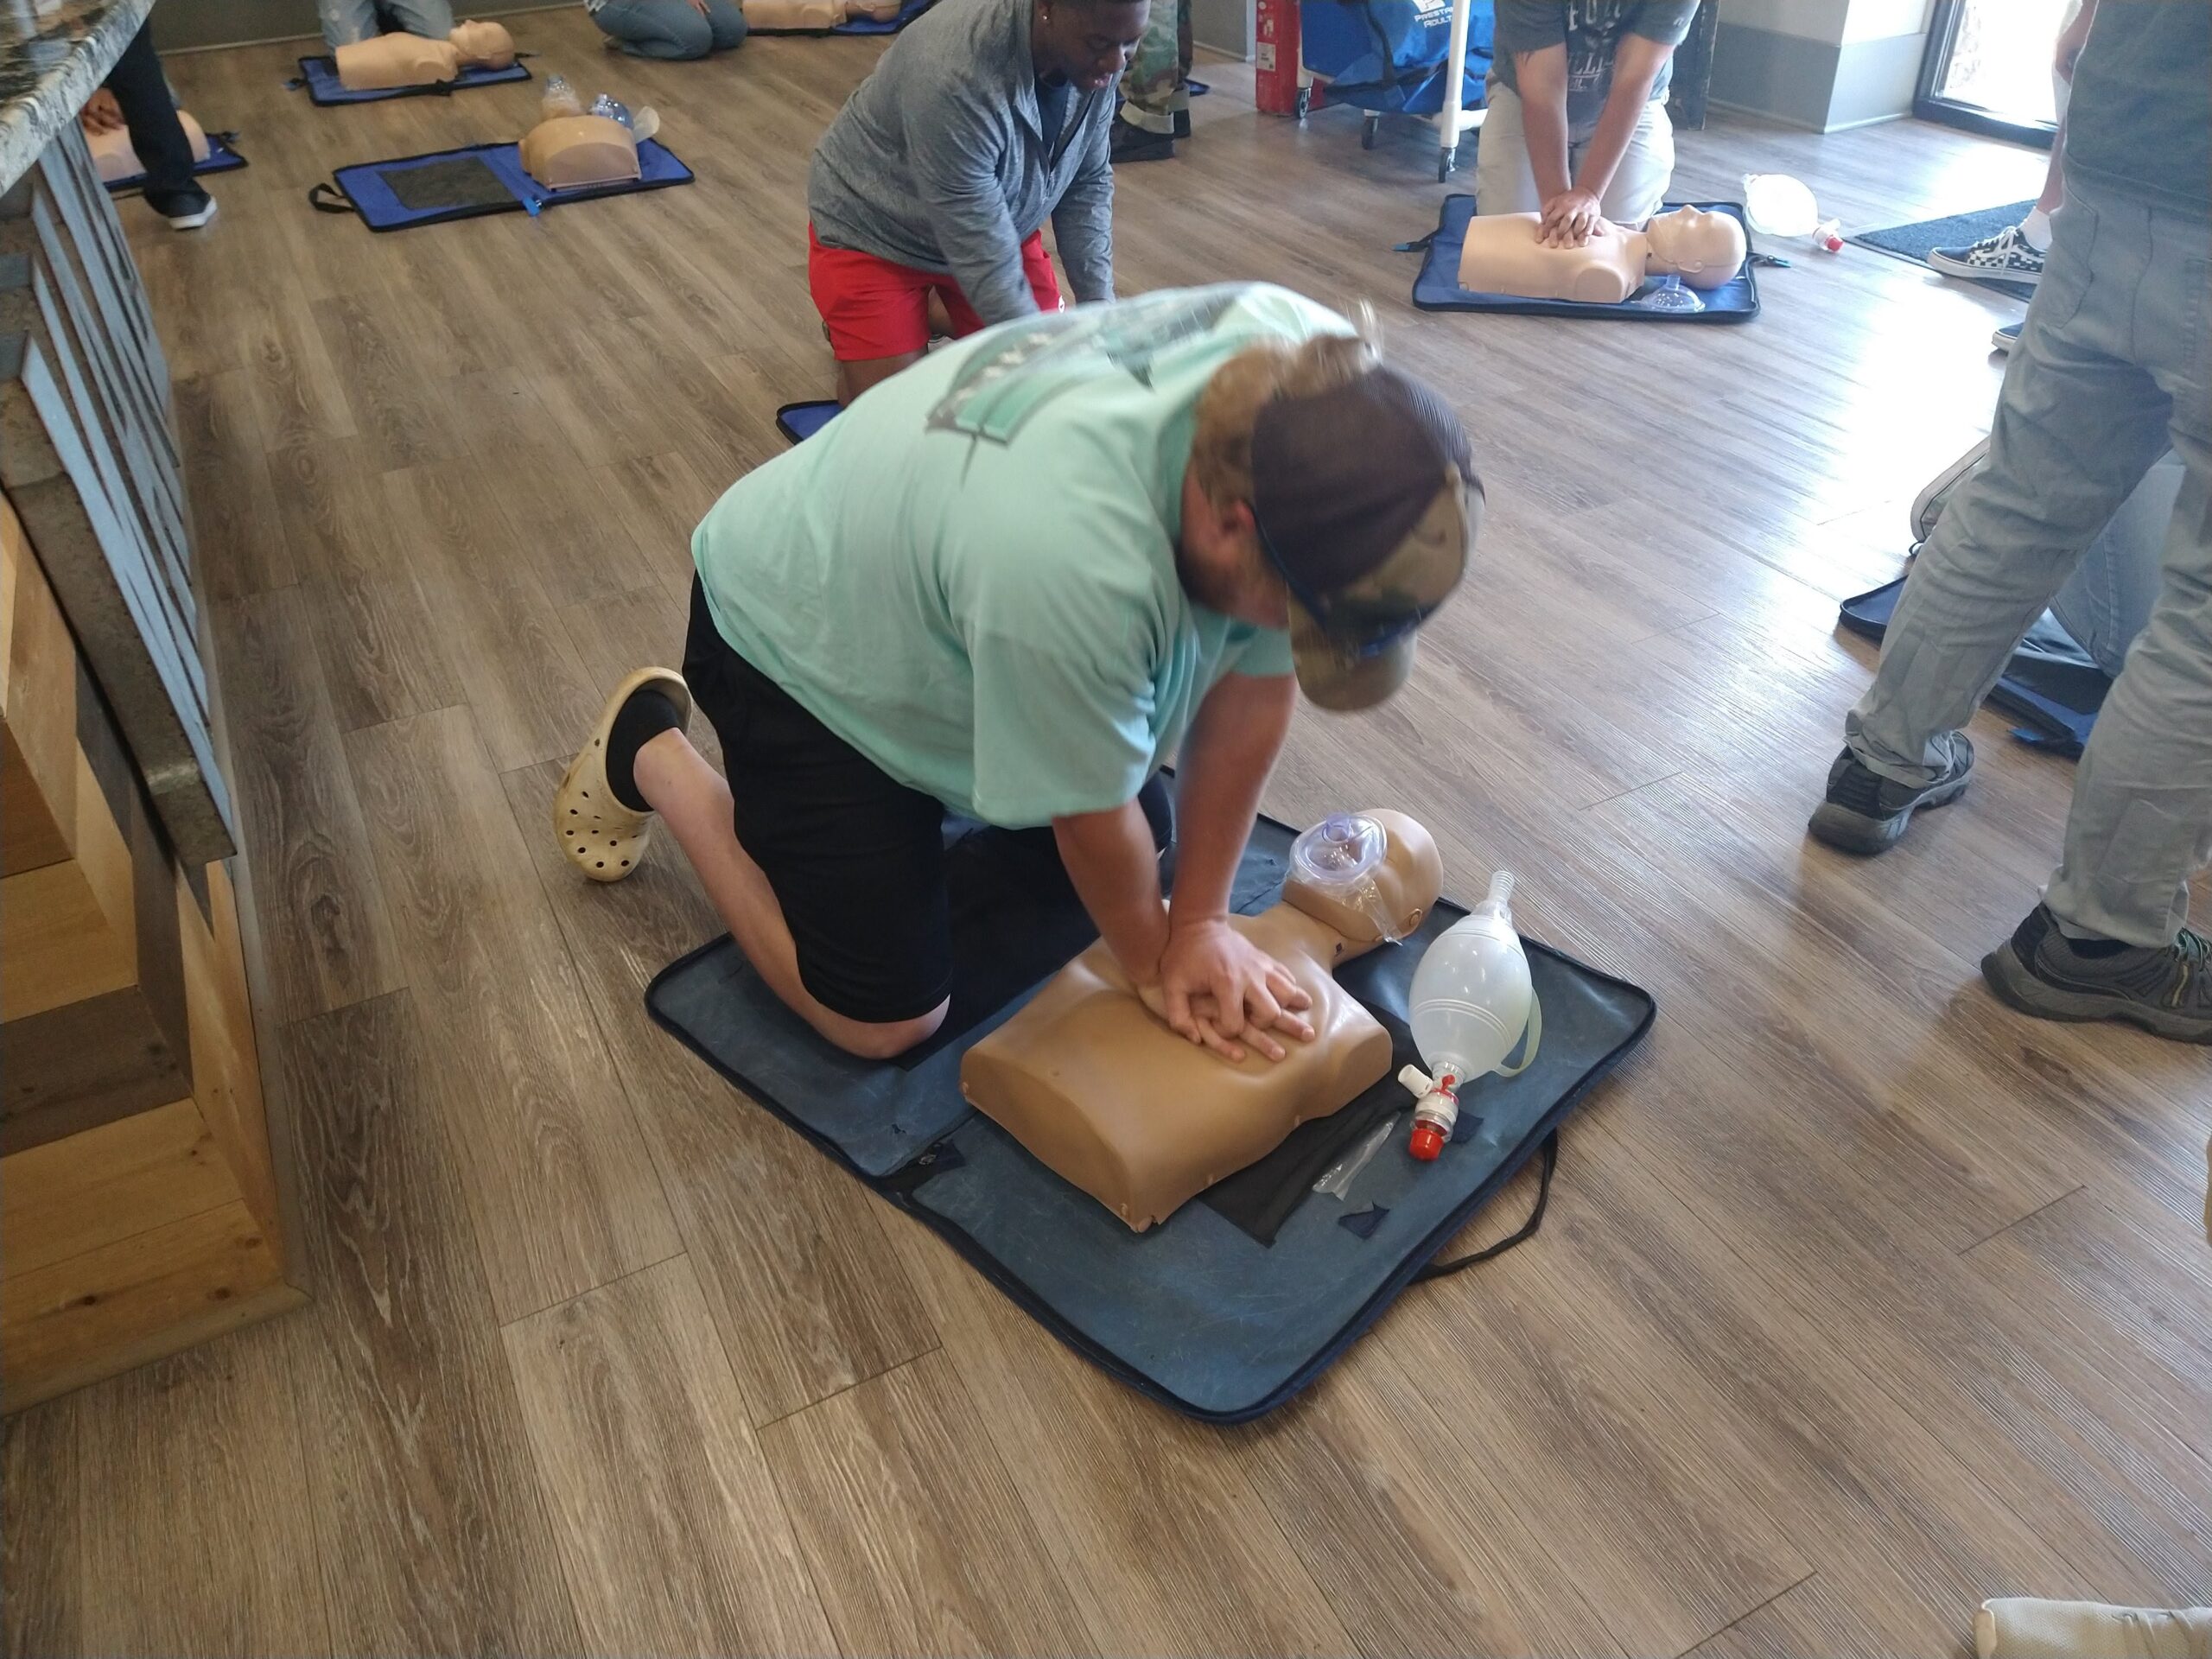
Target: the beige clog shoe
(603, 837)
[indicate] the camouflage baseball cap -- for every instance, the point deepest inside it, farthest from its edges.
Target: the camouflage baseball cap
(1367, 504)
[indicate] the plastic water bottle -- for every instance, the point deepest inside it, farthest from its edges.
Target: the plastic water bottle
(559, 99)
(1471, 1000)
(606, 104)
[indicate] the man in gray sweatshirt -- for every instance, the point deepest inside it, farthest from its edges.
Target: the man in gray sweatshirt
(983, 119)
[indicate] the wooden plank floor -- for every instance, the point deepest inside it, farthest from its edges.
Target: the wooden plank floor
(1862, 1298)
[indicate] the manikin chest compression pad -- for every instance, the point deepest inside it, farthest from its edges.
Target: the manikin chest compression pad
(1196, 1313)
(468, 182)
(222, 157)
(320, 77)
(1437, 287)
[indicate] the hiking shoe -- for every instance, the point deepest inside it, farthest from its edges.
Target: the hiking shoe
(2006, 257)
(186, 210)
(2168, 991)
(1131, 143)
(2005, 339)
(1865, 812)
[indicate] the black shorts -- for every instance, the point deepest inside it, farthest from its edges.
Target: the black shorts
(857, 859)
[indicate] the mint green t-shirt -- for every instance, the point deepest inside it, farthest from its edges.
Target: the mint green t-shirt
(969, 576)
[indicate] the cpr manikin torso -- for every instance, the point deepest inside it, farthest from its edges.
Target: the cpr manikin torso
(384, 62)
(570, 150)
(1109, 1097)
(115, 158)
(1501, 255)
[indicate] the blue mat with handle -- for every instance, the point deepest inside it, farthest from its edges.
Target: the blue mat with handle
(2051, 687)
(1437, 287)
(222, 157)
(320, 77)
(470, 182)
(1248, 1292)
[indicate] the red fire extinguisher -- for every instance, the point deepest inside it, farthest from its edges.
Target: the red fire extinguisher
(1274, 87)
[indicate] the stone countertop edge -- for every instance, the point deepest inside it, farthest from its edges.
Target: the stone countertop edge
(48, 73)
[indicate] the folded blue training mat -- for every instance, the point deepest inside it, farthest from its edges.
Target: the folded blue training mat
(320, 77)
(1246, 1294)
(799, 422)
(1662, 299)
(2052, 686)
(222, 156)
(470, 182)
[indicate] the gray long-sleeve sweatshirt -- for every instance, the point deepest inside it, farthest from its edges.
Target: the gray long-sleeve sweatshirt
(939, 160)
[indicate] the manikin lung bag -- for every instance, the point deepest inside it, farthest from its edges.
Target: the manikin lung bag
(1471, 1001)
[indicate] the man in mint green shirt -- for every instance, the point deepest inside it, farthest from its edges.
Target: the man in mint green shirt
(1012, 583)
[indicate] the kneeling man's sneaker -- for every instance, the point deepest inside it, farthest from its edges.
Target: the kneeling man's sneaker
(2008, 257)
(2040, 971)
(1865, 812)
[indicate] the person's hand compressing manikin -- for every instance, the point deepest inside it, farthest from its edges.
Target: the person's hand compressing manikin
(101, 112)
(1216, 988)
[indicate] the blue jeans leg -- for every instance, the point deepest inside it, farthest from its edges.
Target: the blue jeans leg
(727, 24)
(669, 29)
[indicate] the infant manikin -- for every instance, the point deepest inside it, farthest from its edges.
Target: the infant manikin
(384, 62)
(115, 158)
(1112, 1100)
(814, 14)
(1501, 255)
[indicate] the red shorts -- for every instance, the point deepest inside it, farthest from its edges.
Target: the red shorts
(875, 309)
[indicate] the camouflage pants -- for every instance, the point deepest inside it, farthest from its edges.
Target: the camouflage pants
(1155, 88)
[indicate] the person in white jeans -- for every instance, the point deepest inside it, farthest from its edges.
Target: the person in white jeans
(1576, 126)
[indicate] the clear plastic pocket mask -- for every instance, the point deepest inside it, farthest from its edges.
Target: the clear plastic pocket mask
(1339, 856)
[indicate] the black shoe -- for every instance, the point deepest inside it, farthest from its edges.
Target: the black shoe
(1182, 123)
(186, 210)
(2040, 971)
(1135, 143)
(1865, 812)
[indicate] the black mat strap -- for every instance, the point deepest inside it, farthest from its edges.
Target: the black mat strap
(1438, 1270)
(327, 198)
(1419, 244)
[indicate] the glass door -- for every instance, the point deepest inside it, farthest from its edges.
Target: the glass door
(1987, 67)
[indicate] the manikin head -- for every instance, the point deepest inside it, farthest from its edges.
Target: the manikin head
(1354, 541)
(1404, 886)
(1705, 249)
(1085, 42)
(488, 45)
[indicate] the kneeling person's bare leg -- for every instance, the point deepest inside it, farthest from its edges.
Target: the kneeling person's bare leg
(604, 812)
(693, 800)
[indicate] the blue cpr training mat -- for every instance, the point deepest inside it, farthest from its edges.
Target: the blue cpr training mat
(1246, 1294)
(320, 77)
(1437, 287)
(907, 13)
(222, 156)
(469, 182)
(2053, 690)
(799, 422)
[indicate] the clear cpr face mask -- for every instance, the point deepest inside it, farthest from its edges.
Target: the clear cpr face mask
(1340, 857)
